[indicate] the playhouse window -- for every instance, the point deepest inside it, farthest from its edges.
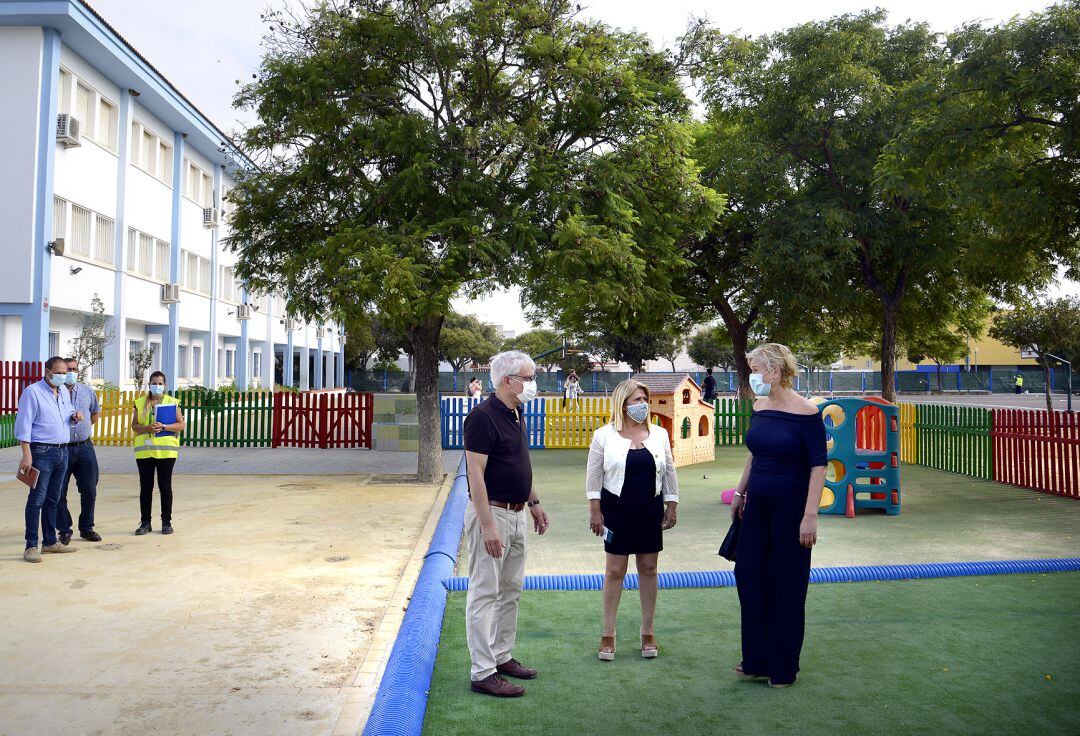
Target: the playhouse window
(703, 427)
(686, 396)
(686, 428)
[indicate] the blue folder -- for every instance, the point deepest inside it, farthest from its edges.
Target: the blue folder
(166, 414)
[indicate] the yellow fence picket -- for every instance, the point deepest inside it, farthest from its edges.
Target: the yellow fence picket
(113, 428)
(572, 425)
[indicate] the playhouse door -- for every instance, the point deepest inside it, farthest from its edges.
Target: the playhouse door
(665, 422)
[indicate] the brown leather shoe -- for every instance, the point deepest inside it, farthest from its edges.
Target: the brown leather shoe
(513, 668)
(497, 686)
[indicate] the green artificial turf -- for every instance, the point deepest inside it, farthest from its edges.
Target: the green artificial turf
(980, 655)
(945, 518)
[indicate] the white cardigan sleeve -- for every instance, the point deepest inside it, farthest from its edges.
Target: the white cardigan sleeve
(671, 478)
(594, 472)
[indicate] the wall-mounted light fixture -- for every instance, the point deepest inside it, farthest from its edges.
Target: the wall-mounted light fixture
(56, 247)
(74, 269)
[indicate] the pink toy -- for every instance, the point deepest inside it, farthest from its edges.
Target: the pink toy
(727, 496)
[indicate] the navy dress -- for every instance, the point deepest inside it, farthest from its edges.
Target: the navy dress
(635, 517)
(772, 569)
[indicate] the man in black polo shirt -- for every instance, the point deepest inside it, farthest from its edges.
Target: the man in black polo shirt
(501, 488)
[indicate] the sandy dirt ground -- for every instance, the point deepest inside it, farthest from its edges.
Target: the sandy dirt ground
(256, 617)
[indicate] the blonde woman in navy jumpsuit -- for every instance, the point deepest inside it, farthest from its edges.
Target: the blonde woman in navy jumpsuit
(777, 498)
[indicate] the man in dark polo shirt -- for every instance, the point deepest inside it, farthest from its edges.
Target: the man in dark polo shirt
(501, 488)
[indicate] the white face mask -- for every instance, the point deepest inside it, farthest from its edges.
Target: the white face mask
(758, 385)
(528, 390)
(638, 412)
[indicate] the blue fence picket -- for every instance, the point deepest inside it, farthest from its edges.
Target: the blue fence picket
(454, 409)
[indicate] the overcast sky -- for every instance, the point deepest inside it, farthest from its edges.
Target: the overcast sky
(204, 46)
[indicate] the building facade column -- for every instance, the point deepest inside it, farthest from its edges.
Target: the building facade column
(243, 362)
(170, 344)
(290, 354)
(319, 373)
(117, 322)
(305, 365)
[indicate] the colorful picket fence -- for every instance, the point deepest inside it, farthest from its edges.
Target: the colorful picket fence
(955, 438)
(1038, 450)
(570, 424)
(454, 409)
(15, 375)
(909, 434)
(7, 431)
(732, 420)
(322, 420)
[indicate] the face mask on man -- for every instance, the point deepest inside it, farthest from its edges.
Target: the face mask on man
(638, 412)
(758, 385)
(72, 377)
(157, 389)
(57, 379)
(528, 390)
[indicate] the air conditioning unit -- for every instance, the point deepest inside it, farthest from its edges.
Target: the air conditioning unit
(67, 130)
(210, 217)
(170, 293)
(290, 325)
(243, 311)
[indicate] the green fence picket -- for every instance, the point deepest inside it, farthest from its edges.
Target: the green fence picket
(955, 438)
(7, 431)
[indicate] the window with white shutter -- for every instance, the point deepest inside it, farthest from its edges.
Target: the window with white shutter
(133, 142)
(131, 264)
(104, 239)
(65, 82)
(82, 108)
(80, 230)
(204, 275)
(106, 129)
(146, 254)
(207, 190)
(147, 160)
(59, 222)
(161, 262)
(182, 362)
(196, 361)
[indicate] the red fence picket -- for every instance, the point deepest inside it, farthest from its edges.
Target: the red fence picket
(16, 375)
(1038, 450)
(322, 420)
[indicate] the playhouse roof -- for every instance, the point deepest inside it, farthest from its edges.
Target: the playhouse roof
(663, 383)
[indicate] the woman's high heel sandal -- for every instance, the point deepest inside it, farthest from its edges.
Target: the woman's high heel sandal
(607, 648)
(649, 647)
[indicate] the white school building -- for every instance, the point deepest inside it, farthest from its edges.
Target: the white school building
(114, 185)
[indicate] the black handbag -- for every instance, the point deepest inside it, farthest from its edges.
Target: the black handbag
(731, 541)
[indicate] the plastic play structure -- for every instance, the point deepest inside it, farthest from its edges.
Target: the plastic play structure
(864, 456)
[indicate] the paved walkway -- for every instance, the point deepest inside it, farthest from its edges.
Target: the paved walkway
(266, 461)
(1004, 401)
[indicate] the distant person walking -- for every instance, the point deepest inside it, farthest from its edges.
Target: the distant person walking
(571, 389)
(476, 388)
(708, 386)
(82, 459)
(156, 447)
(43, 430)
(1019, 384)
(496, 524)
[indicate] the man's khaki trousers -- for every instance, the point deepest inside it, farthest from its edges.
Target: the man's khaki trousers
(494, 589)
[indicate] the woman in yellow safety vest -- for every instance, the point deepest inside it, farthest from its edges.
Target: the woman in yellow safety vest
(155, 452)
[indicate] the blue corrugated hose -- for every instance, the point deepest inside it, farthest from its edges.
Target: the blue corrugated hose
(401, 700)
(726, 578)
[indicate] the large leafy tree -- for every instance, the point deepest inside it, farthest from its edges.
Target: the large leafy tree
(1048, 327)
(710, 347)
(536, 342)
(411, 151)
(833, 102)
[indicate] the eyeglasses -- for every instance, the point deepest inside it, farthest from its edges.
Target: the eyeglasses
(523, 378)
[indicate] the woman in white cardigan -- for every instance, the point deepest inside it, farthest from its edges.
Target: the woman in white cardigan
(633, 493)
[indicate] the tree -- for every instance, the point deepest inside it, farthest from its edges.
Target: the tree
(832, 103)
(671, 346)
(141, 360)
(535, 342)
(711, 348)
(941, 346)
(1046, 327)
(88, 347)
(413, 150)
(465, 339)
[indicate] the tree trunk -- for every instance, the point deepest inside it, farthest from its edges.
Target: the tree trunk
(739, 332)
(672, 366)
(888, 354)
(425, 365)
(1048, 387)
(939, 378)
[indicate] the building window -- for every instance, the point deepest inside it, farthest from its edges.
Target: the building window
(196, 361)
(230, 363)
(686, 396)
(54, 344)
(703, 427)
(151, 153)
(256, 364)
(82, 107)
(161, 261)
(65, 85)
(106, 124)
(207, 190)
(59, 218)
(146, 254)
(155, 362)
(182, 362)
(104, 239)
(80, 230)
(134, 346)
(147, 151)
(97, 370)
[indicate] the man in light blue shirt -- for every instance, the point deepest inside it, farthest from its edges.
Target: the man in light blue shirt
(43, 429)
(82, 460)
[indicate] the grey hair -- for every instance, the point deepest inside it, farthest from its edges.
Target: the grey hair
(508, 363)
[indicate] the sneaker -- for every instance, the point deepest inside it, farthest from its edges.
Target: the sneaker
(31, 554)
(57, 548)
(65, 538)
(143, 529)
(166, 528)
(90, 536)
(495, 685)
(513, 668)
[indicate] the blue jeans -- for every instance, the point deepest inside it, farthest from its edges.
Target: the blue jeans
(82, 463)
(51, 462)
